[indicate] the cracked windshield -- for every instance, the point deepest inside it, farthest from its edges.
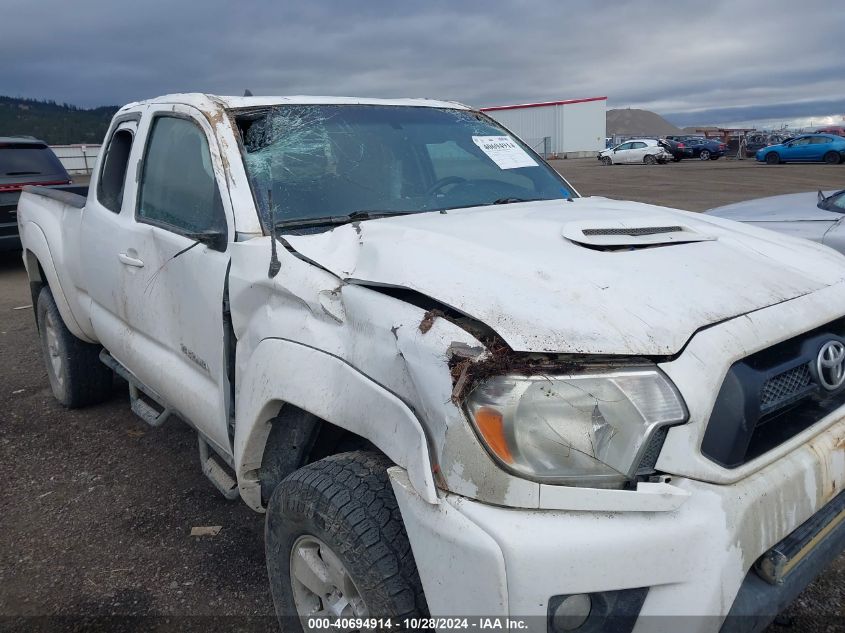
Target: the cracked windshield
(330, 161)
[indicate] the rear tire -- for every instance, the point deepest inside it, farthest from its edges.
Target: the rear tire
(77, 377)
(772, 158)
(339, 519)
(650, 160)
(676, 159)
(704, 155)
(832, 158)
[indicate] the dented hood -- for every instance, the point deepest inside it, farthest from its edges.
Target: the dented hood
(592, 275)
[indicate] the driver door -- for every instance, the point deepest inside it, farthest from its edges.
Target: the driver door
(622, 154)
(169, 299)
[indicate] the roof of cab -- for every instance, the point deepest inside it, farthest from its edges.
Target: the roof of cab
(207, 102)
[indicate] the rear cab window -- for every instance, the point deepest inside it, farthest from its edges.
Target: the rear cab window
(112, 178)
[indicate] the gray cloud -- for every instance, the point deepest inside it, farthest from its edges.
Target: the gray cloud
(688, 58)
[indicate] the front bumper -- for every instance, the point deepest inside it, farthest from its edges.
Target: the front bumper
(481, 560)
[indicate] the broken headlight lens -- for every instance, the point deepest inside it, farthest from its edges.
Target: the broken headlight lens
(584, 430)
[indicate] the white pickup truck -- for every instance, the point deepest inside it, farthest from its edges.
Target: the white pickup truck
(457, 388)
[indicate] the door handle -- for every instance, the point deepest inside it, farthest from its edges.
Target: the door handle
(130, 261)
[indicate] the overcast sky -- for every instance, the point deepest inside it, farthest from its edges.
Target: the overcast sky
(702, 61)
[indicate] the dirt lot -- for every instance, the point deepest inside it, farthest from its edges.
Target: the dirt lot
(697, 185)
(96, 508)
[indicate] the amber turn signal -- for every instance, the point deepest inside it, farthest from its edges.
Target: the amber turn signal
(492, 429)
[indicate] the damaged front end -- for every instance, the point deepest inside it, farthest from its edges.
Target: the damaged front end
(561, 419)
(564, 420)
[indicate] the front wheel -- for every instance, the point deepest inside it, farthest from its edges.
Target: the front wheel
(650, 160)
(336, 545)
(704, 155)
(832, 158)
(77, 377)
(772, 158)
(606, 161)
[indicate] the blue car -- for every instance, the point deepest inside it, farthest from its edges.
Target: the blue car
(808, 148)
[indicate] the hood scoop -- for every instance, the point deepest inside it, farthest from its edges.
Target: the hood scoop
(630, 234)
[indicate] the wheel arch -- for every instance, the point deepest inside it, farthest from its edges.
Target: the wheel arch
(284, 376)
(41, 271)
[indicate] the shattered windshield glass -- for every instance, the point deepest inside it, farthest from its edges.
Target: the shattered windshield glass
(319, 161)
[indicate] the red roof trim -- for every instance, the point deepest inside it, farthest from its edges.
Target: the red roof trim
(540, 105)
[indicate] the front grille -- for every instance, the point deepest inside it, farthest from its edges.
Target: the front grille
(769, 397)
(786, 387)
(633, 232)
(652, 451)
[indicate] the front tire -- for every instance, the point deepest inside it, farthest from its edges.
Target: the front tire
(832, 158)
(606, 161)
(772, 158)
(77, 377)
(336, 544)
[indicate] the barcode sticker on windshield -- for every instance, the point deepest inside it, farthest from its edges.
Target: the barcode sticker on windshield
(504, 151)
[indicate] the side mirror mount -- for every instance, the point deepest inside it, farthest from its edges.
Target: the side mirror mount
(215, 239)
(821, 196)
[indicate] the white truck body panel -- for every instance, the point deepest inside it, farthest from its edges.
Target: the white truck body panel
(325, 336)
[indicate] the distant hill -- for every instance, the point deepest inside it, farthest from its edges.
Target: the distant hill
(631, 122)
(57, 124)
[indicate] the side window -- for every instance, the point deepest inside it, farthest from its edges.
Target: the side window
(637, 145)
(113, 173)
(821, 140)
(178, 188)
(802, 141)
(624, 146)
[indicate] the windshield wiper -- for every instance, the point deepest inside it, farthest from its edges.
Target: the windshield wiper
(513, 200)
(337, 220)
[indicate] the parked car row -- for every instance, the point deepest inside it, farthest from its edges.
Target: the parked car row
(653, 151)
(694, 147)
(807, 148)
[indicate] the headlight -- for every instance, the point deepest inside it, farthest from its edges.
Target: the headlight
(585, 430)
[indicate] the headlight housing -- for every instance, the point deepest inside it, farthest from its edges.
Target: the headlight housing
(583, 430)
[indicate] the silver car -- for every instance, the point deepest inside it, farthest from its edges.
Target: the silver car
(814, 216)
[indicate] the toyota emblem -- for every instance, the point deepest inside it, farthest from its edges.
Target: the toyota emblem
(830, 365)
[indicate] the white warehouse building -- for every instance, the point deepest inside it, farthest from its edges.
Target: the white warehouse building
(567, 129)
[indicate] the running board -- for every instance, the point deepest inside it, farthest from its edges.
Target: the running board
(216, 472)
(145, 410)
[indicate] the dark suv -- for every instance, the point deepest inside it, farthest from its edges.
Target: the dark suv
(23, 161)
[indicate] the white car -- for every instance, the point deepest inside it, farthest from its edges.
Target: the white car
(637, 152)
(455, 387)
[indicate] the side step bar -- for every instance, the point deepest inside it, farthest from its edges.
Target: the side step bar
(139, 394)
(140, 407)
(216, 472)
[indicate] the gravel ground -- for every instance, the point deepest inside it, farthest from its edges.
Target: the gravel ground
(97, 508)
